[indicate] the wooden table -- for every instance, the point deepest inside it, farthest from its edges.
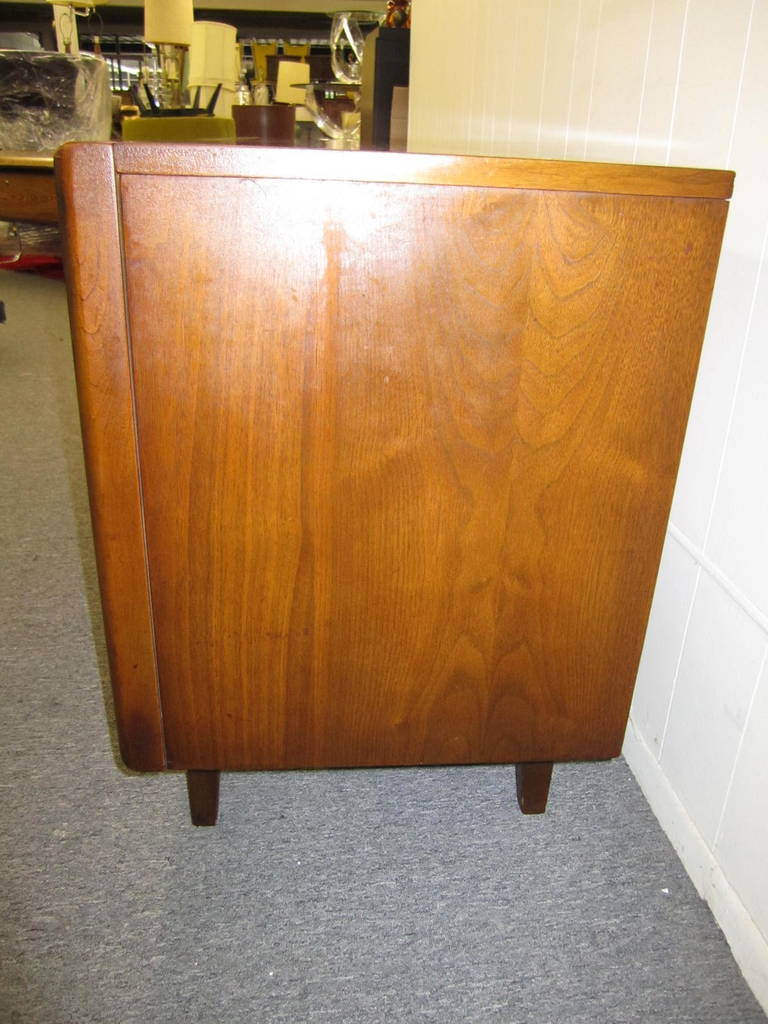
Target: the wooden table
(27, 188)
(380, 447)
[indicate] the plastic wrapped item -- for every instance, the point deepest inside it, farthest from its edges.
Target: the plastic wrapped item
(22, 238)
(19, 41)
(47, 99)
(31, 247)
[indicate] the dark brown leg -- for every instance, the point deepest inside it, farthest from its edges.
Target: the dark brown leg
(203, 790)
(533, 785)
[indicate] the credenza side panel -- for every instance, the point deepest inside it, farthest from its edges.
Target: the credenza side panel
(91, 232)
(407, 455)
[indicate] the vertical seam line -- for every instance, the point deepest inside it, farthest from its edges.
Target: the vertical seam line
(736, 387)
(741, 83)
(567, 139)
(651, 20)
(676, 675)
(673, 113)
(545, 61)
(588, 124)
(729, 787)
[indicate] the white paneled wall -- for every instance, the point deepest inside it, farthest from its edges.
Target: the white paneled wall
(670, 82)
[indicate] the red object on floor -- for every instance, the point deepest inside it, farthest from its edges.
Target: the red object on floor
(46, 266)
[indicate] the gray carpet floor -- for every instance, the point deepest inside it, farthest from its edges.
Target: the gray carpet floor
(355, 896)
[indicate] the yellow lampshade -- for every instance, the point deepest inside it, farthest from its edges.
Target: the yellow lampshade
(214, 56)
(289, 74)
(168, 21)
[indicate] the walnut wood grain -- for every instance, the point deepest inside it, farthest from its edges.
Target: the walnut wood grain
(402, 449)
(105, 393)
(406, 484)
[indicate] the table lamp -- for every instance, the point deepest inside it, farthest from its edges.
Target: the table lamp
(168, 24)
(214, 63)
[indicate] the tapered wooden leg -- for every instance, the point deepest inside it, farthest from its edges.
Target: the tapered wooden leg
(203, 790)
(533, 779)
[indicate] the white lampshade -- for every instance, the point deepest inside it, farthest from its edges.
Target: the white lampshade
(291, 73)
(213, 55)
(168, 21)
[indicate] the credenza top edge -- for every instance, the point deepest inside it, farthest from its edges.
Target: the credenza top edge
(206, 160)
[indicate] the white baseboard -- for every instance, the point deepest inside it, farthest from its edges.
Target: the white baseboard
(748, 945)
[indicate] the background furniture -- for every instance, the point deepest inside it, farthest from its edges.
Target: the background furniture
(29, 236)
(179, 129)
(387, 482)
(386, 66)
(273, 125)
(27, 187)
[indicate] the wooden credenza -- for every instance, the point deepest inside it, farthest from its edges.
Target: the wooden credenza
(380, 447)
